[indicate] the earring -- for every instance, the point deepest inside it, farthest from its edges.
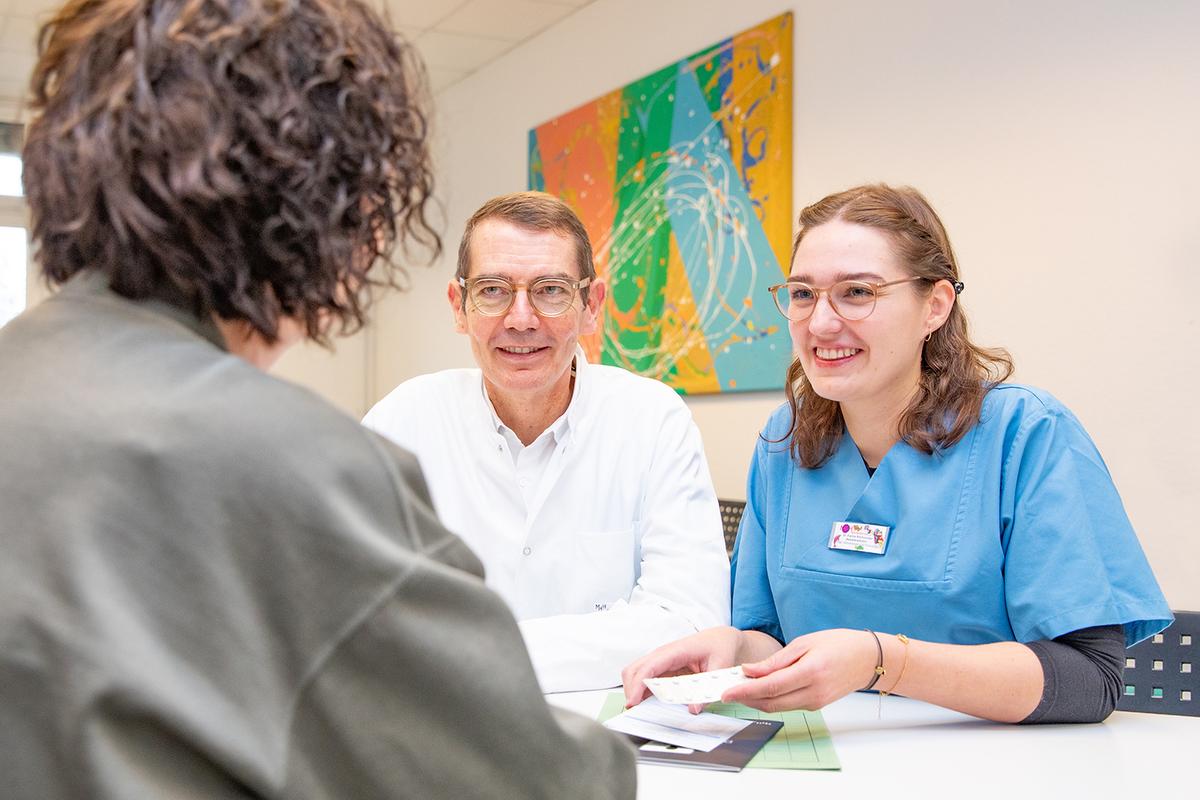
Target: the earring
(929, 336)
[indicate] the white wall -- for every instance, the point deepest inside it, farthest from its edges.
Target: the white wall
(340, 375)
(1057, 139)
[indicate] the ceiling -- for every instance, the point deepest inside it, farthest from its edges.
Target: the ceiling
(456, 37)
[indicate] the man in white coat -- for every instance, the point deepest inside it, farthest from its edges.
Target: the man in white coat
(583, 488)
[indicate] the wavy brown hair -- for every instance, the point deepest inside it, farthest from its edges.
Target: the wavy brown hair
(248, 158)
(955, 372)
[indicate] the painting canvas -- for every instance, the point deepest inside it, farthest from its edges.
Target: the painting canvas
(683, 180)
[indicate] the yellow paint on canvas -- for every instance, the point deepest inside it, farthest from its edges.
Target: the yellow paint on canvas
(682, 334)
(760, 120)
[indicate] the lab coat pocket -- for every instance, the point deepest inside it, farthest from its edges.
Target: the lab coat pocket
(603, 572)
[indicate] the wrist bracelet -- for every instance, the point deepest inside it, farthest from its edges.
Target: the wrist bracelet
(904, 641)
(879, 670)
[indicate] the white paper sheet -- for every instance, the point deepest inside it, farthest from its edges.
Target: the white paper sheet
(672, 724)
(701, 687)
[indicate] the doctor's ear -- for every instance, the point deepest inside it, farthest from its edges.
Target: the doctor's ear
(597, 291)
(455, 296)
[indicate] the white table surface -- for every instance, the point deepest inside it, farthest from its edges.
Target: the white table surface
(920, 750)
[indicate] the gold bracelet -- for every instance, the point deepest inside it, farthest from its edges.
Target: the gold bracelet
(904, 641)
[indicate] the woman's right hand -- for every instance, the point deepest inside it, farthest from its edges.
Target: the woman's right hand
(714, 648)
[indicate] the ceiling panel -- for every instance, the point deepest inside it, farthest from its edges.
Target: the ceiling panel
(440, 78)
(457, 37)
(463, 53)
(418, 13)
(514, 20)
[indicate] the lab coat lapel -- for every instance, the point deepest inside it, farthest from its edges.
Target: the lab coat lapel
(565, 439)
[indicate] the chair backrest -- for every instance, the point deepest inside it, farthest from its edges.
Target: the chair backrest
(1162, 674)
(731, 518)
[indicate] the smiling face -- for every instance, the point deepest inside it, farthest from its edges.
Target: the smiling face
(525, 357)
(872, 363)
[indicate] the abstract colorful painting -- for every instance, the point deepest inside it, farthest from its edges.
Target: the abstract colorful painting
(684, 181)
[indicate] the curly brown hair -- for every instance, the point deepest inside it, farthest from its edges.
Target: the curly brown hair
(248, 158)
(955, 372)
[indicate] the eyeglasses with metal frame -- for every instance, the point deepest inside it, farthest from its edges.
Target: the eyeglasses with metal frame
(550, 296)
(850, 300)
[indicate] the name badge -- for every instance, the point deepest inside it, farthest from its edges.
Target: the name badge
(859, 536)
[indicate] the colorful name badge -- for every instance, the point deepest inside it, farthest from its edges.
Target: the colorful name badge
(859, 536)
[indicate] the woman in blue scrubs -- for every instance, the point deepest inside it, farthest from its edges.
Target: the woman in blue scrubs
(914, 524)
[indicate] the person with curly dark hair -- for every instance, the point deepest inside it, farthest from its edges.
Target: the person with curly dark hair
(212, 583)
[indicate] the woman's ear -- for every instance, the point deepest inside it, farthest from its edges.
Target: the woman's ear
(941, 302)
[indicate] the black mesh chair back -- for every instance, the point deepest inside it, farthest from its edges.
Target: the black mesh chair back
(731, 518)
(1162, 674)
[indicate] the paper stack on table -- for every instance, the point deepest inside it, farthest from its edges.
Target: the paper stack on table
(672, 724)
(803, 742)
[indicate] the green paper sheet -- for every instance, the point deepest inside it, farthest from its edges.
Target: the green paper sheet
(803, 742)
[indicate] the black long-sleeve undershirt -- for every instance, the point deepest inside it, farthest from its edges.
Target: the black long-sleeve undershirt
(1083, 671)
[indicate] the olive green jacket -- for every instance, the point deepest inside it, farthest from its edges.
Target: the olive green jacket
(213, 584)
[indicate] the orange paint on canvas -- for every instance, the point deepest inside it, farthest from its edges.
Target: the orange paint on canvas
(582, 172)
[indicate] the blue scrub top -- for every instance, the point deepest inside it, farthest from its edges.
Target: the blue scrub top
(1014, 533)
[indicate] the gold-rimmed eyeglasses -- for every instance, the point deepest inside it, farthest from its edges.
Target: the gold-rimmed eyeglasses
(549, 296)
(850, 300)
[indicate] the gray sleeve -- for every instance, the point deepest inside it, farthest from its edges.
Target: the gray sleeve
(1082, 675)
(432, 695)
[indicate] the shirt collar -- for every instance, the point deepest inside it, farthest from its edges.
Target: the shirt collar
(574, 414)
(570, 418)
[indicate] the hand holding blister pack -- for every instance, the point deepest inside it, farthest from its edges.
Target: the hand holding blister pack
(697, 688)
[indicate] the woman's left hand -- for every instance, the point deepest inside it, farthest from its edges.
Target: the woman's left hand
(810, 672)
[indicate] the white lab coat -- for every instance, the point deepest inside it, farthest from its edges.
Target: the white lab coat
(620, 548)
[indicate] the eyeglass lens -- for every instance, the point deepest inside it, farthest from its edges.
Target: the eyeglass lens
(549, 296)
(850, 299)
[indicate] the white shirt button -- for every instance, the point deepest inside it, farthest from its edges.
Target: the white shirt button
(527, 550)
(523, 482)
